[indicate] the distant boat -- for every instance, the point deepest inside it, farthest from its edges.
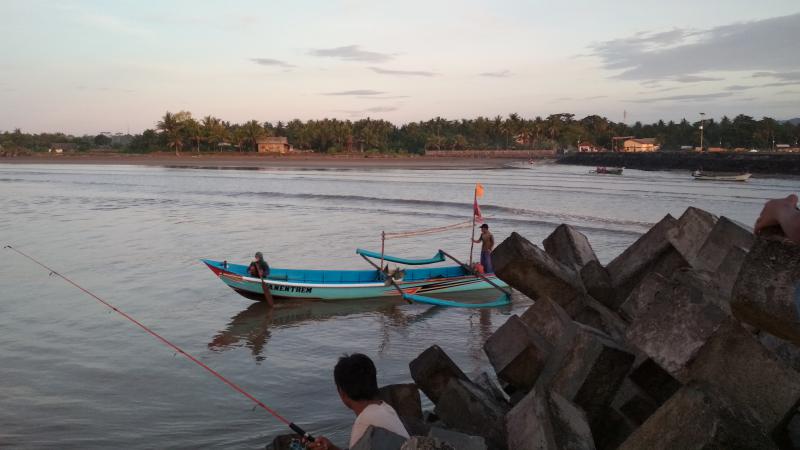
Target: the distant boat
(608, 170)
(700, 175)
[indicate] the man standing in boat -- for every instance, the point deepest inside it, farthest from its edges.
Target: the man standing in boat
(357, 382)
(487, 244)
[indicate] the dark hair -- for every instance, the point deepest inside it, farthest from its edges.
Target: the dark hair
(355, 375)
(485, 226)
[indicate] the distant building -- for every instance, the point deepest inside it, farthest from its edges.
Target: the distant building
(588, 147)
(715, 149)
(277, 144)
(640, 145)
(61, 147)
(782, 147)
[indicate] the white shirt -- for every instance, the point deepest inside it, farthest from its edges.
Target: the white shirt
(381, 416)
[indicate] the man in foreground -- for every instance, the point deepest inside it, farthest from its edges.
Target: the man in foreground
(356, 380)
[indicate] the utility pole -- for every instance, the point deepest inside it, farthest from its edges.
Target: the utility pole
(702, 122)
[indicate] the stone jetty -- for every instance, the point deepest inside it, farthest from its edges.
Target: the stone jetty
(688, 339)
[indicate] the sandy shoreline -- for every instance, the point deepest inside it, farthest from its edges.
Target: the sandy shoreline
(254, 161)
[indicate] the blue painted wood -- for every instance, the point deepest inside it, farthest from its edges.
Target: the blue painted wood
(438, 257)
(502, 301)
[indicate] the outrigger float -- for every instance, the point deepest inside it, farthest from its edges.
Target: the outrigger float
(415, 285)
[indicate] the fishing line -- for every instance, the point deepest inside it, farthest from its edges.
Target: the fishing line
(163, 340)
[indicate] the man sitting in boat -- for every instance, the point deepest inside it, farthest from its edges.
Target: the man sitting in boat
(356, 380)
(487, 244)
(258, 268)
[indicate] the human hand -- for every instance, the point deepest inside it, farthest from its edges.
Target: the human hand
(773, 211)
(319, 443)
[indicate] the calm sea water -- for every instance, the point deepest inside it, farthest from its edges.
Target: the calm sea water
(73, 375)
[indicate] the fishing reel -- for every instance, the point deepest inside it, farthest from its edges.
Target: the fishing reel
(296, 444)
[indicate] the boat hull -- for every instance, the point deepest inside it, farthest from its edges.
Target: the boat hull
(252, 288)
(704, 177)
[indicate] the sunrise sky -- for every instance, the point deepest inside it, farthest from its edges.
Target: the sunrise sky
(92, 66)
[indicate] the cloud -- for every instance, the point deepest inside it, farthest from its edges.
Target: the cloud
(759, 45)
(694, 79)
(787, 92)
(404, 73)
(351, 53)
(384, 97)
(498, 74)
(685, 97)
(595, 97)
(271, 62)
(739, 87)
(362, 112)
(783, 76)
(378, 109)
(358, 92)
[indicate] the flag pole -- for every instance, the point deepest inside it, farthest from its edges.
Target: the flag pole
(472, 241)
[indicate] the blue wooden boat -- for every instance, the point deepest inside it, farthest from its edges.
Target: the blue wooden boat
(415, 285)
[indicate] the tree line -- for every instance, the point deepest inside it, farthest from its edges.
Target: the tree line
(181, 132)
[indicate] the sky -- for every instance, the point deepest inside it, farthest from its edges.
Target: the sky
(85, 67)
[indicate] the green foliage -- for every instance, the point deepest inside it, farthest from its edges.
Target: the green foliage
(180, 131)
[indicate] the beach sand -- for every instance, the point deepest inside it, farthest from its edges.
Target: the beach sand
(257, 161)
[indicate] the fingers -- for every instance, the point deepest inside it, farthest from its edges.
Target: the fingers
(792, 198)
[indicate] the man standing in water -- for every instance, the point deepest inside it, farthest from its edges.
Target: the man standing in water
(487, 244)
(356, 380)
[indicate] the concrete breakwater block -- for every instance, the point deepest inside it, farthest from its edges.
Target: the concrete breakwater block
(675, 326)
(690, 232)
(404, 398)
(627, 269)
(735, 362)
(597, 281)
(433, 370)
(725, 235)
(699, 417)
(375, 438)
(489, 383)
(459, 441)
(517, 353)
(533, 272)
(591, 370)
(570, 247)
(546, 420)
(640, 299)
(427, 443)
(466, 408)
(764, 293)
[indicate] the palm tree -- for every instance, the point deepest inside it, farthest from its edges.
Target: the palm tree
(252, 131)
(170, 126)
(192, 129)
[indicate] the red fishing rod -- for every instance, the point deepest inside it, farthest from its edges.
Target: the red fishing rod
(166, 342)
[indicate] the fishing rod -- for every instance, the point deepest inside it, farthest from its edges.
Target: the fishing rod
(294, 427)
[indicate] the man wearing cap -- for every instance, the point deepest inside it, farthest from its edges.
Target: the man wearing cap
(258, 268)
(487, 244)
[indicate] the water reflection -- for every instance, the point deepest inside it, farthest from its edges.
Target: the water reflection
(251, 327)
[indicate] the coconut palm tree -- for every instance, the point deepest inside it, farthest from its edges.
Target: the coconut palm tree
(252, 131)
(170, 126)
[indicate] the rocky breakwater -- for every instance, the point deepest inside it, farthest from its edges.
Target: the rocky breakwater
(688, 339)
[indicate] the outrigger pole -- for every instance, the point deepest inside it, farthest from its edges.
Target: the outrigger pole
(177, 349)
